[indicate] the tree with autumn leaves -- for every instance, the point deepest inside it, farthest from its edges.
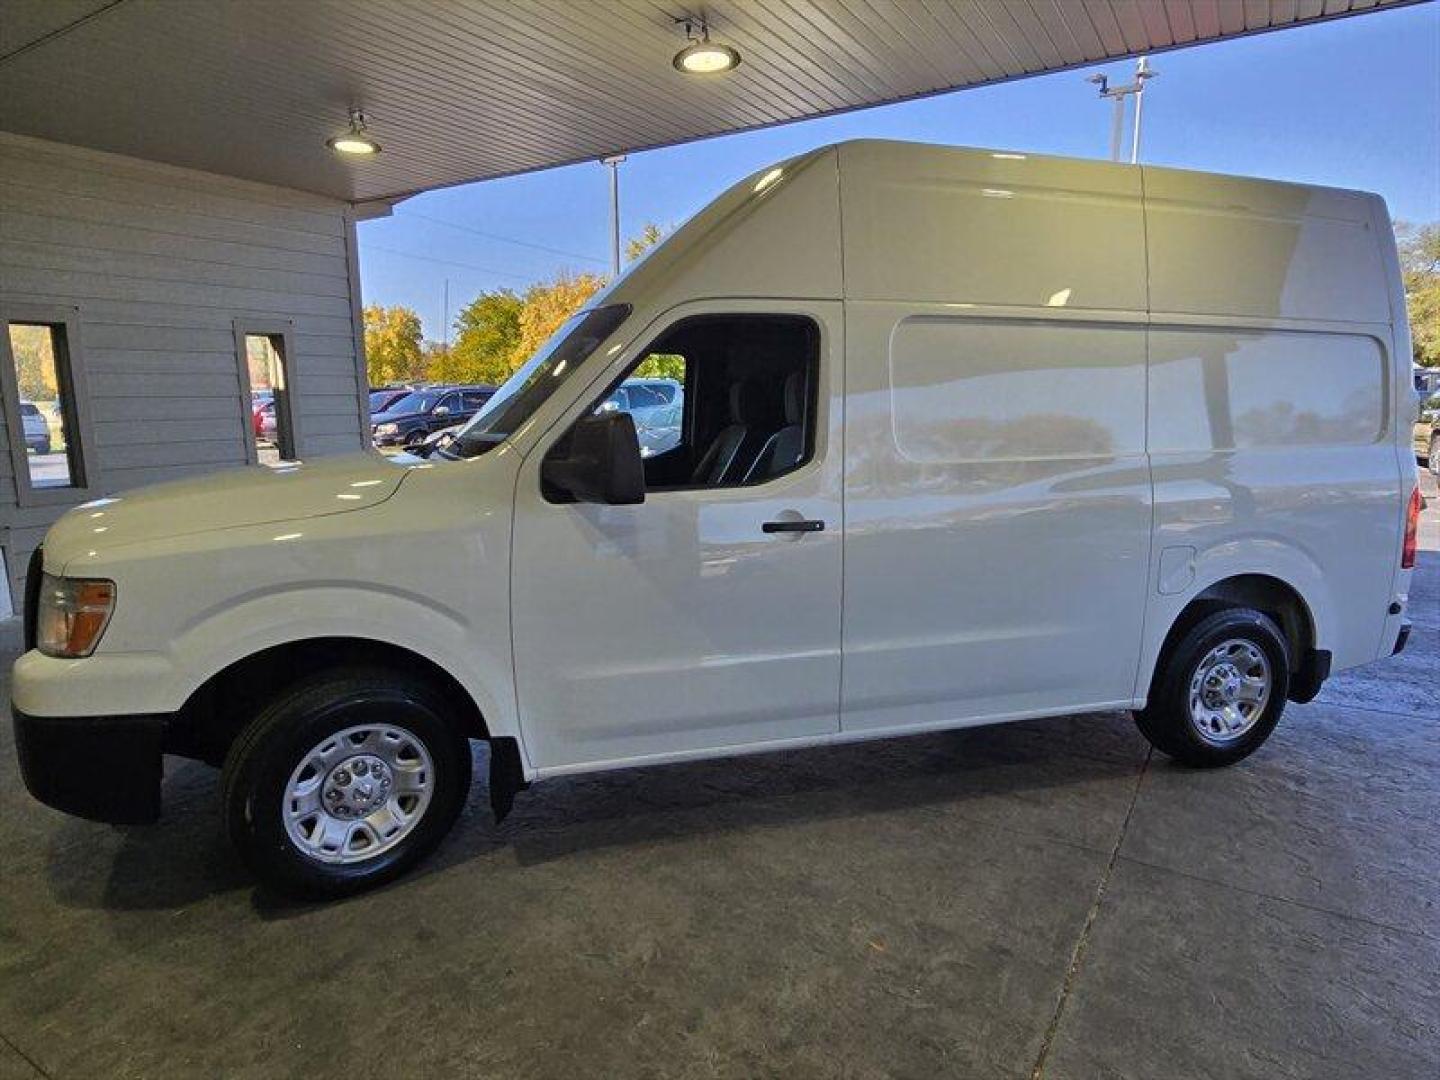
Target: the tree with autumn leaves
(1420, 267)
(393, 351)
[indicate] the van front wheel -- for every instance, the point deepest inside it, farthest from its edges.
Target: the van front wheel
(1220, 691)
(343, 782)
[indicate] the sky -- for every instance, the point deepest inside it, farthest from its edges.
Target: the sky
(1352, 103)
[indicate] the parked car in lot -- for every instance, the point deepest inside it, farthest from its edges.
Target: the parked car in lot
(409, 420)
(37, 431)
(918, 486)
(1427, 434)
(264, 419)
(656, 406)
(383, 398)
(261, 402)
(638, 394)
(659, 432)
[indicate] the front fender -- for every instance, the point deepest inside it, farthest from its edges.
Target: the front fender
(362, 612)
(427, 571)
(160, 682)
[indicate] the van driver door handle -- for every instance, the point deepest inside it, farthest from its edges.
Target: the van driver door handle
(794, 526)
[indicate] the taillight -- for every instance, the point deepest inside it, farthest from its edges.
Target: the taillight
(1412, 531)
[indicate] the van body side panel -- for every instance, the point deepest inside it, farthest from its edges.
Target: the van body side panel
(1271, 412)
(997, 493)
(929, 224)
(1230, 246)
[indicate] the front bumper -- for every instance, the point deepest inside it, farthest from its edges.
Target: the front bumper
(106, 768)
(401, 438)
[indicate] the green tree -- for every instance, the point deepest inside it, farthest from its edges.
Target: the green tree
(392, 345)
(488, 334)
(1420, 267)
(662, 366)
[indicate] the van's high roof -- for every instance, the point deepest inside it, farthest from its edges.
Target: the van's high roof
(879, 219)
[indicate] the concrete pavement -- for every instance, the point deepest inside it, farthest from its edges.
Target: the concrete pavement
(1040, 899)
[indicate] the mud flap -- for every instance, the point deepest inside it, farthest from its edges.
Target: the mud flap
(1310, 676)
(507, 776)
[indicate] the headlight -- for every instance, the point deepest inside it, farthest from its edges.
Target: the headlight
(72, 614)
(387, 429)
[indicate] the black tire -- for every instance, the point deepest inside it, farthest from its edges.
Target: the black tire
(1166, 718)
(262, 759)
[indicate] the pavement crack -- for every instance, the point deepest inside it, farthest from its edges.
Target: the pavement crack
(25, 1057)
(1077, 956)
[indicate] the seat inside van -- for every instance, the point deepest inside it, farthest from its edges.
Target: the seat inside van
(749, 384)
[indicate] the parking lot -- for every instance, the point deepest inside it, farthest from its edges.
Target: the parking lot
(1041, 899)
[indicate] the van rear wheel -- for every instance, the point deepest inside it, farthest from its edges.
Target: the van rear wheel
(344, 781)
(1220, 691)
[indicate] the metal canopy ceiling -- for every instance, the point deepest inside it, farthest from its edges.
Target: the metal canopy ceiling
(459, 90)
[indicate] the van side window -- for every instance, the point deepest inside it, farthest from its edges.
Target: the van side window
(724, 400)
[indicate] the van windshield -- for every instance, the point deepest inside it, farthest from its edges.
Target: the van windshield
(531, 386)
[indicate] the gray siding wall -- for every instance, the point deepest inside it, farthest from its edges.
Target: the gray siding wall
(159, 264)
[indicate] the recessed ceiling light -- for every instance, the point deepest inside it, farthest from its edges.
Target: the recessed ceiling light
(703, 56)
(354, 143)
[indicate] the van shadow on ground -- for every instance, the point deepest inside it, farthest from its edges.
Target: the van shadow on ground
(1085, 766)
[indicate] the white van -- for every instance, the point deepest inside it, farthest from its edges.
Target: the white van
(966, 437)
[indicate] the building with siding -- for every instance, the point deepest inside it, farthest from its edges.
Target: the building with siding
(157, 274)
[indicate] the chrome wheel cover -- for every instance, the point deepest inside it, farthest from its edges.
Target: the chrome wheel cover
(358, 793)
(1229, 691)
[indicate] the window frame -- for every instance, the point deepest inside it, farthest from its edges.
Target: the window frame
(687, 418)
(75, 413)
(285, 330)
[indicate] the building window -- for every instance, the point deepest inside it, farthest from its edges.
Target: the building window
(42, 408)
(266, 357)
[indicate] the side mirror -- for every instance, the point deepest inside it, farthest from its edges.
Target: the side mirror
(599, 462)
(442, 410)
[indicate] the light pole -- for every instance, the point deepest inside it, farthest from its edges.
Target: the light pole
(613, 164)
(1118, 94)
(447, 317)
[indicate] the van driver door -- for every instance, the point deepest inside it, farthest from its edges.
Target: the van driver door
(706, 618)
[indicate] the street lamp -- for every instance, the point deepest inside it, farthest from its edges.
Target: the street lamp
(1118, 94)
(613, 164)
